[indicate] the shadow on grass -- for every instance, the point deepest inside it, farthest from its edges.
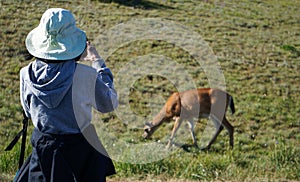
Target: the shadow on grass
(142, 4)
(190, 148)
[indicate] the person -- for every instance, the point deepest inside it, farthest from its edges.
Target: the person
(58, 93)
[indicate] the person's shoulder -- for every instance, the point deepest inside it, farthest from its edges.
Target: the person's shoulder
(84, 69)
(24, 70)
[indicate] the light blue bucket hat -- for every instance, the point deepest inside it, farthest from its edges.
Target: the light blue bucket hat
(56, 37)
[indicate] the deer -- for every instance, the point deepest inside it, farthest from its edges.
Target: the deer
(198, 103)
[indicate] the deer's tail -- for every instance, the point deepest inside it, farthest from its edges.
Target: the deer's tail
(231, 104)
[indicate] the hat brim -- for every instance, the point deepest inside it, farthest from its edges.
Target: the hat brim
(68, 46)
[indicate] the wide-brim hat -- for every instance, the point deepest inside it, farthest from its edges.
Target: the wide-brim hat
(56, 37)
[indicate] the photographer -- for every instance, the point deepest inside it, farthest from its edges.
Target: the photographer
(58, 94)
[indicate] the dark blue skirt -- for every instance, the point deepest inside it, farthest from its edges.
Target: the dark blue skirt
(75, 157)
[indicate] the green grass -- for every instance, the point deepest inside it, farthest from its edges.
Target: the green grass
(257, 46)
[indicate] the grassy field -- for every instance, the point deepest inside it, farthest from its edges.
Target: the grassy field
(256, 45)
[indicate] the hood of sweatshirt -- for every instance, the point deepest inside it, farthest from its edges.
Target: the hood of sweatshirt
(50, 82)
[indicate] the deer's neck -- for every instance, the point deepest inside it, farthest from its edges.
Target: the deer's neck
(159, 118)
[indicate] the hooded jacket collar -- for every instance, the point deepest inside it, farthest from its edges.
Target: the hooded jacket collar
(49, 82)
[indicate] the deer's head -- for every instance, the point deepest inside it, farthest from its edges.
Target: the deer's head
(148, 130)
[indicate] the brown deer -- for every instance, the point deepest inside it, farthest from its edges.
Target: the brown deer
(200, 103)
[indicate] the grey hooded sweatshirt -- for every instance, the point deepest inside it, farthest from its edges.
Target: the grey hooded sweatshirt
(59, 97)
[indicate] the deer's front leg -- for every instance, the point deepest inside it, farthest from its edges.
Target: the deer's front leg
(177, 124)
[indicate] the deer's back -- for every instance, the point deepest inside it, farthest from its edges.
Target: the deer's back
(196, 102)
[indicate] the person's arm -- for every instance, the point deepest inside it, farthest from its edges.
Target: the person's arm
(24, 101)
(105, 94)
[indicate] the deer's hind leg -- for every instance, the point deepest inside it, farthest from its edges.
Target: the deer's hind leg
(218, 126)
(230, 130)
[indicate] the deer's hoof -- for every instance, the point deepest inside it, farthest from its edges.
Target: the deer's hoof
(169, 145)
(205, 148)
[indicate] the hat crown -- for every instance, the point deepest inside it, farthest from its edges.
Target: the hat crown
(55, 20)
